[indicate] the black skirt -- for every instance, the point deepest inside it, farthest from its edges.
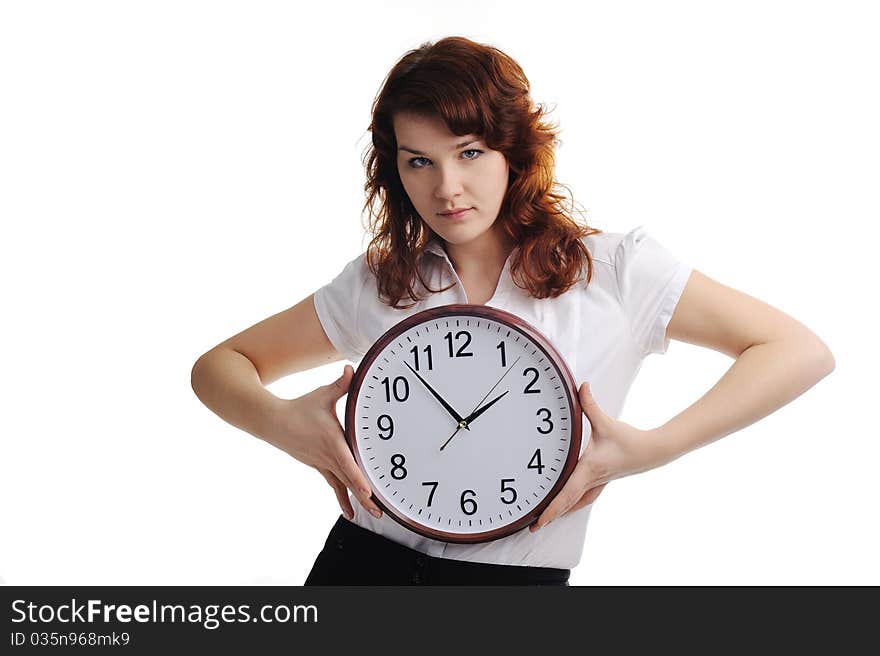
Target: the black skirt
(356, 556)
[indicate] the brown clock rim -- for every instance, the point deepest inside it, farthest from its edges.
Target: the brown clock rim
(502, 316)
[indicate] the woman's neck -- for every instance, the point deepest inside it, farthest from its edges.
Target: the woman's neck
(483, 257)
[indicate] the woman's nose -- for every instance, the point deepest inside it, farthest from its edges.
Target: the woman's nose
(448, 184)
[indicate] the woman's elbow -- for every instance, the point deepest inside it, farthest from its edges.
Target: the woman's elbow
(816, 359)
(828, 361)
(822, 357)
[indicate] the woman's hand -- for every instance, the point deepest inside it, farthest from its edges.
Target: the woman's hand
(309, 430)
(615, 449)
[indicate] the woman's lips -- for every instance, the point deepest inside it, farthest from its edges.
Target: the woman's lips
(457, 215)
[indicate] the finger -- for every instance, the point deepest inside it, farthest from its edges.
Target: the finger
(351, 474)
(346, 469)
(339, 387)
(571, 492)
(588, 497)
(591, 409)
(341, 493)
(354, 479)
(557, 507)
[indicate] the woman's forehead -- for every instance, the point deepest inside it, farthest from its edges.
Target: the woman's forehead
(416, 131)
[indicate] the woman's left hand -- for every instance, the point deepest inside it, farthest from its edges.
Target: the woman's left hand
(615, 449)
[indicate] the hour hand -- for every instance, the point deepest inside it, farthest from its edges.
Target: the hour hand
(478, 412)
(443, 402)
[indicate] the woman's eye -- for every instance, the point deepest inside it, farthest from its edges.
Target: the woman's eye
(413, 161)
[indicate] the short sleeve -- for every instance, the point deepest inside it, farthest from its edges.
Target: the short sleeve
(651, 281)
(337, 304)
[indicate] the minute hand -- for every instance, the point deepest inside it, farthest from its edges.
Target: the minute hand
(443, 402)
(476, 413)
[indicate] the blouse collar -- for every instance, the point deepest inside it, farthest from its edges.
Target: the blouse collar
(434, 246)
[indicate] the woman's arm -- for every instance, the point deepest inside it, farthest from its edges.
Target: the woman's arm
(777, 360)
(230, 380)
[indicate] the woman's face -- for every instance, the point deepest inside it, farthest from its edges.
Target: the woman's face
(441, 171)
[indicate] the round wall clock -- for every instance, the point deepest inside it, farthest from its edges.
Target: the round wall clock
(466, 421)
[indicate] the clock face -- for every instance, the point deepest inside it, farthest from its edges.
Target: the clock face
(466, 422)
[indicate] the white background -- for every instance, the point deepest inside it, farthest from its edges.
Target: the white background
(173, 172)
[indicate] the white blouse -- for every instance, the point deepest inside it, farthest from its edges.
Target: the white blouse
(603, 330)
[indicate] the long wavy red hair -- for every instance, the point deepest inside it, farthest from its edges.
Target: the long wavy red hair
(473, 88)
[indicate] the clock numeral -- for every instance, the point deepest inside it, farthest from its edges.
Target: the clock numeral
(503, 354)
(546, 420)
(398, 467)
(466, 501)
(461, 353)
(433, 489)
(415, 351)
(508, 489)
(538, 466)
(389, 427)
(397, 396)
(528, 389)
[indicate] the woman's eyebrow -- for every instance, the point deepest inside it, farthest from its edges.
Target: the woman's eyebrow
(418, 152)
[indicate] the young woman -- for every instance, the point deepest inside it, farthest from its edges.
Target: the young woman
(460, 189)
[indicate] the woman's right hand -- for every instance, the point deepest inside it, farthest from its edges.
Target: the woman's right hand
(309, 430)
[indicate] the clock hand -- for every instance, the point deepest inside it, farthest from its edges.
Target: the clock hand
(463, 423)
(469, 420)
(466, 422)
(507, 371)
(443, 402)
(450, 437)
